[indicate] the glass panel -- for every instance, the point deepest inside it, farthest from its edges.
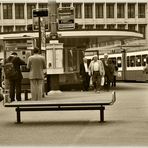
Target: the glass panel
(142, 29)
(120, 10)
(42, 5)
(78, 10)
(99, 10)
(144, 60)
(8, 28)
(19, 11)
(88, 10)
(110, 10)
(119, 61)
(30, 7)
(131, 10)
(72, 59)
(132, 61)
(128, 61)
(7, 11)
(141, 10)
(138, 60)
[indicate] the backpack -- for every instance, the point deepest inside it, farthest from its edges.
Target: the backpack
(9, 70)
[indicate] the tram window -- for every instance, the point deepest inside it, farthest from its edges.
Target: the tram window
(128, 61)
(119, 61)
(144, 60)
(138, 60)
(132, 61)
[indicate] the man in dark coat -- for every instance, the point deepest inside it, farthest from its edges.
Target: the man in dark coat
(15, 82)
(84, 73)
(109, 70)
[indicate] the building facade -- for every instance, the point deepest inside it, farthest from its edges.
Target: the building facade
(89, 14)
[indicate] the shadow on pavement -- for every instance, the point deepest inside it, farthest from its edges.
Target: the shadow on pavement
(65, 123)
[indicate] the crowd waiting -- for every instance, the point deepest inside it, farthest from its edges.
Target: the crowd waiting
(102, 73)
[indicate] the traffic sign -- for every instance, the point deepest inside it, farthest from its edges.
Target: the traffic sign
(66, 18)
(43, 14)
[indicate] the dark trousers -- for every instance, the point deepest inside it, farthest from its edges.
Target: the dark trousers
(85, 81)
(96, 79)
(15, 88)
(107, 83)
(114, 82)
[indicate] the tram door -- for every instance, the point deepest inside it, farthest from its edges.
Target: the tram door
(23, 47)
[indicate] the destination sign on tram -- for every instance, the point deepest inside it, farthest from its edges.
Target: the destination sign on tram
(66, 18)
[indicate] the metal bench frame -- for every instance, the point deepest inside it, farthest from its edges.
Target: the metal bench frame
(48, 106)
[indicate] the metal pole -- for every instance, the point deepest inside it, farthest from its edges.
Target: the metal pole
(39, 21)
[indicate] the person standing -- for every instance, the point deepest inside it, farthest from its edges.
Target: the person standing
(109, 70)
(97, 72)
(15, 82)
(115, 74)
(84, 73)
(36, 64)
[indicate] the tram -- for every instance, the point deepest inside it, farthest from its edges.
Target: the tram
(130, 64)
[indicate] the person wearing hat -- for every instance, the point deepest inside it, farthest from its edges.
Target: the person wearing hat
(84, 73)
(15, 82)
(97, 72)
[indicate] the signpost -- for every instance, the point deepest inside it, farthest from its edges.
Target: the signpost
(66, 18)
(41, 23)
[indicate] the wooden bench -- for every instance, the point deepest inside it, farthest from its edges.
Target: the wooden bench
(48, 105)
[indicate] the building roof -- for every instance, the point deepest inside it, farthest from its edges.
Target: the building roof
(74, 38)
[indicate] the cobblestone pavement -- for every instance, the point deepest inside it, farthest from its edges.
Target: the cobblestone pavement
(126, 122)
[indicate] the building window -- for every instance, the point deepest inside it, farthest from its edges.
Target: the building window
(100, 27)
(20, 28)
(142, 29)
(110, 10)
(19, 11)
(8, 28)
(121, 26)
(78, 10)
(88, 27)
(30, 7)
(131, 27)
(7, 11)
(141, 10)
(138, 60)
(110, 26)
(43, 6)
(65, 4)
(88, 10)
(99, 10)
(131, 10)
(120, 10)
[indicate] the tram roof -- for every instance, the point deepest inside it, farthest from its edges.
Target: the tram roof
(79, 36)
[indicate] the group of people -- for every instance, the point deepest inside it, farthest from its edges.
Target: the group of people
(103, 73)
(36, 65)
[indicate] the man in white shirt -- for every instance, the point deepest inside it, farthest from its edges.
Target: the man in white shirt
(97, 72)
(84, 70)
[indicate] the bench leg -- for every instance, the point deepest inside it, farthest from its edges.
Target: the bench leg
(18, 115)
(102, 114)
